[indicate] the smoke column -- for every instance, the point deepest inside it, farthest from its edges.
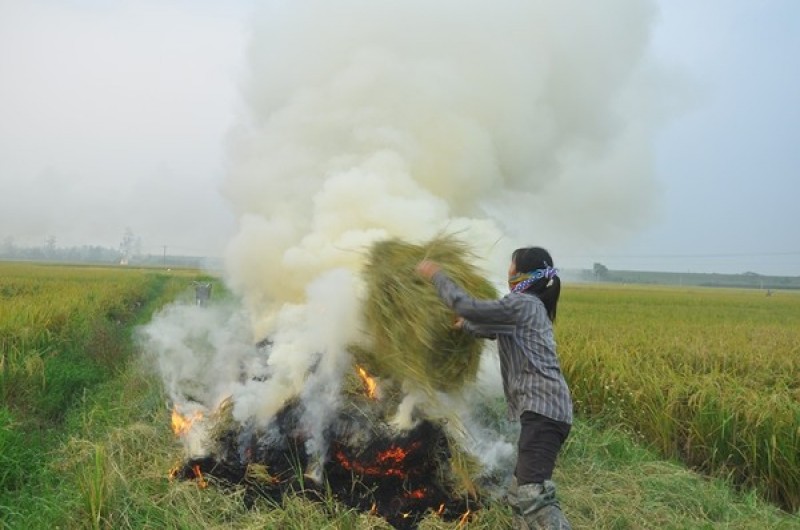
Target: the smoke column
(507, 122)
(372, 119)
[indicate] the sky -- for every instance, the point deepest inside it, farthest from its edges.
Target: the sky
(728, 165)
(117, 115)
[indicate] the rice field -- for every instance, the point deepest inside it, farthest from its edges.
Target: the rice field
(704, 376)
(63, 331)
(708, 376)
(57, 325)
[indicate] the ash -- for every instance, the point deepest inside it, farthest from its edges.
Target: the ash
(400, 476)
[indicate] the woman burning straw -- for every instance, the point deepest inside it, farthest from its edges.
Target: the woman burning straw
(535, 389)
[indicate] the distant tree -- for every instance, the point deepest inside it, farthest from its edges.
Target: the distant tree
(9, 247)
(34, 253)
(93, 253)
(600, 271)
(50, 247)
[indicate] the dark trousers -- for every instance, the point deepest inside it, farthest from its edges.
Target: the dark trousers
(540, 439)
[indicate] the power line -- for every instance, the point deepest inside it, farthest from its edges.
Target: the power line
(684, 256)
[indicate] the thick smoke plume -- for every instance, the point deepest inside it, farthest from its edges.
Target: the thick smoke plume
(506, 122)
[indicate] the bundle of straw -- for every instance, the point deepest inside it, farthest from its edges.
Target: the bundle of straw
(411, 329)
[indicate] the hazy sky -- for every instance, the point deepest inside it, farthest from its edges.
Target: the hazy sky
(116, 115)
(729, 167)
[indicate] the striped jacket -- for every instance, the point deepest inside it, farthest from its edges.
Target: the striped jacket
(532, 378)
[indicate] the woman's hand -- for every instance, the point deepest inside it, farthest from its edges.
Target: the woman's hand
(427, 268)
(459, 323)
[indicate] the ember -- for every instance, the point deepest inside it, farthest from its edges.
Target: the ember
(385, 463)
(400, 477)
(416, 494)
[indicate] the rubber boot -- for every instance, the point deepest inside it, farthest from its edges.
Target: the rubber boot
(538, 508)
(512, 497)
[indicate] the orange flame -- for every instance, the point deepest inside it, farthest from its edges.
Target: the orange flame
(182, 424)
(370, 385)
(440, 511)
(201, 481)
(464, 519)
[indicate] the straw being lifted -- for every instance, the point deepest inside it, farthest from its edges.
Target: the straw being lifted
(411, 331)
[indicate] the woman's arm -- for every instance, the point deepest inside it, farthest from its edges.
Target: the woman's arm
(479, 331)
(486, 317)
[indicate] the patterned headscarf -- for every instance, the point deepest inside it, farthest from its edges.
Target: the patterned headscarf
(519, 282)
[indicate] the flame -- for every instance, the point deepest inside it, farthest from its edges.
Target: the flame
(182, 424)
(440, 511)
(198, 474)
(370, 385)
(464, 519)
(201, 481)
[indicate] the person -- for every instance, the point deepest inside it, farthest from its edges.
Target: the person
(535, 389)
(202, 292)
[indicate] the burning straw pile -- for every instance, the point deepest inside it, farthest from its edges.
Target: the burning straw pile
(403, 477)
(366, 463)
(411, 330)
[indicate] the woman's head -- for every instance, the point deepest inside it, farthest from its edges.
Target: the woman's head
(548, 287)
(531, 258)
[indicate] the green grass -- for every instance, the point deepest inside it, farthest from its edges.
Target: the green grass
(64, 331)
(115, 464)
(607, 480)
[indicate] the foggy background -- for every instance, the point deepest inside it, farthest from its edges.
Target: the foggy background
(682, 157)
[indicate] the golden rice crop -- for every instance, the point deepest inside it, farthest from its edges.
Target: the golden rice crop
(46, 310)
(708, 376)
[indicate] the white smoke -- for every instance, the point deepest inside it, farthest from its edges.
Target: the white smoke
(200, 352)
(507, 122)
(308, 353)
(206, 354)
(367, 119)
